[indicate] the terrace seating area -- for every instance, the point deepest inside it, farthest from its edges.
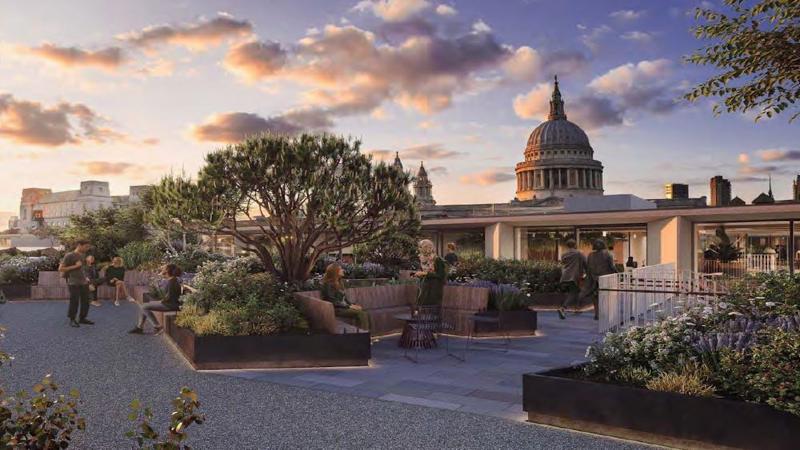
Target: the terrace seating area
(52, 286)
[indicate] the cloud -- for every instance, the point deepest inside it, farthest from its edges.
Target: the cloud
(489, 177)
(638, 36)
(588, 111)
(151, 141)
(393, 10)
(105, 167)
(236, 126)
(427, 152)
(626, 14)
(438, 170)
(775, 155)
(255, 60)
(446, 10)
(28, 122)
(645, 85)
(592, 38)
(195, 36)
(744, 158)
(109, 58)
(528, 64)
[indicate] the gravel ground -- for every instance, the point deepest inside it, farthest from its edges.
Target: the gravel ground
(111, 367)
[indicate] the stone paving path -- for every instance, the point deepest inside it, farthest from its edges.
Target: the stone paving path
(111, 367)
(488, 382)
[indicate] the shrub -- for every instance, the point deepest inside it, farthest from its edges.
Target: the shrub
(234, 298)
(44, 420)
(191, 258)
(686, 382)
(530, 276)
(184, 415)
(25, 270)
(507, 297)
(140, 254)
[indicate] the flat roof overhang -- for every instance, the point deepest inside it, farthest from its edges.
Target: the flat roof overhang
(780, 211)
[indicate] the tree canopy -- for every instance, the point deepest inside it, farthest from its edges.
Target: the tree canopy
(292, 197)
(757, 49)
(108, 229)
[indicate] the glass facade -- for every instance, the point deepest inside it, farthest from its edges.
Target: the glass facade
(628, 244)
(739, 248)
(468, 241)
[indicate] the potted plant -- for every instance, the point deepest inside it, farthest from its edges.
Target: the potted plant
(513, 308)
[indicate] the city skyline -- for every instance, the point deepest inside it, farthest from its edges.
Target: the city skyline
(128, 92)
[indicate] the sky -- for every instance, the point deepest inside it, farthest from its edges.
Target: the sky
(129, 91)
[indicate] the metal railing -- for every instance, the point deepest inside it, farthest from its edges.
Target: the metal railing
(651, 293)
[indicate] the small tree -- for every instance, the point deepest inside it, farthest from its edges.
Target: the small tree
(299, 197)
(108, 229)
(758, 51)
(723, 250)
(395, 251)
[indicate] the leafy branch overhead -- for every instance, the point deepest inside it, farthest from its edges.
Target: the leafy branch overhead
(757, 50)
(294, 197)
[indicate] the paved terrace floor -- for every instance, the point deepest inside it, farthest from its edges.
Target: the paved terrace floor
(111, 368)
(488, 381)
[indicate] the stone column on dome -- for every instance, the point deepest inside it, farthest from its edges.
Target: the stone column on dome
(529, 180)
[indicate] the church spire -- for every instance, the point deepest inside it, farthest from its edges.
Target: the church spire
(556, 104)
(770, 186)
(397, 162)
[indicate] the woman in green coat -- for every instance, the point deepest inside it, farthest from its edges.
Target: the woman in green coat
(432, 276)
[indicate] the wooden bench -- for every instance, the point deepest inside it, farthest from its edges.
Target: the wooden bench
(383, 303)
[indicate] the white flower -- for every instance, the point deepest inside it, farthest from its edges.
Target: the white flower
(723, 305)
(770, 304)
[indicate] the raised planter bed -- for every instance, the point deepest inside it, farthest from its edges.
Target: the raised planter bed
(277, 351)
(365, 282)
(16, 291)
(514, 323)
(664, 418)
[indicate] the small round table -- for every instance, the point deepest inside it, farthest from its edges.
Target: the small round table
(415, 336)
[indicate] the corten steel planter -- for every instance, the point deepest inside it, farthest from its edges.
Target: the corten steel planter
(16, 291)
(663, 418)
(513, 323)
(276, 351)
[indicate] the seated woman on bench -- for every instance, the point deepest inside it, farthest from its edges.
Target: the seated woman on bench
(171, 302)
(332, 290)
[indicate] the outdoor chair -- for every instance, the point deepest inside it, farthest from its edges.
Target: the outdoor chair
(424, 330)
(496, 320)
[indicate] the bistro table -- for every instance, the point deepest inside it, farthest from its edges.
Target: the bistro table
(414, 335)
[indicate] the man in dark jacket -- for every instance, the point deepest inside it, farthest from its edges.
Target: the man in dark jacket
(600, 262)
(573, 266)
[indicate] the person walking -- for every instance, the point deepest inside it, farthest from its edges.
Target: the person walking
(93, 275)
(573, 267)
(171, 301)
(599, 262)
(71, 267)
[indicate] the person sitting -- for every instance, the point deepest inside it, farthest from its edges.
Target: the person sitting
(93, 275)
(432, 276)
(171, 301)
(332, 290)
(115, 276)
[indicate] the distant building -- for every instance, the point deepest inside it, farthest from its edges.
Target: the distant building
(40, 207)
(796, 189)
(698, 202)
(736, 201)
(765, 199)
(720, 191)
(674, 191)
(423, 188)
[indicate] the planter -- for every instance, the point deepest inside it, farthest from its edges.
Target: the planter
(548, 299)
(365, 282)
(16, 291)
(276, 351)
(514, 323)
(663, 418)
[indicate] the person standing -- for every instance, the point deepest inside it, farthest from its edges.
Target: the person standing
(451, 257)
(71, 267)
(171, 301)
(573, 266)
(600, 262)
(433, 275)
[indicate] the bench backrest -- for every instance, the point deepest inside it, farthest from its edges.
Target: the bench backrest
(387, 296)
(320, 313)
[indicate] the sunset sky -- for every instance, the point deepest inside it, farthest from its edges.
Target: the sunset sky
(127, 91)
